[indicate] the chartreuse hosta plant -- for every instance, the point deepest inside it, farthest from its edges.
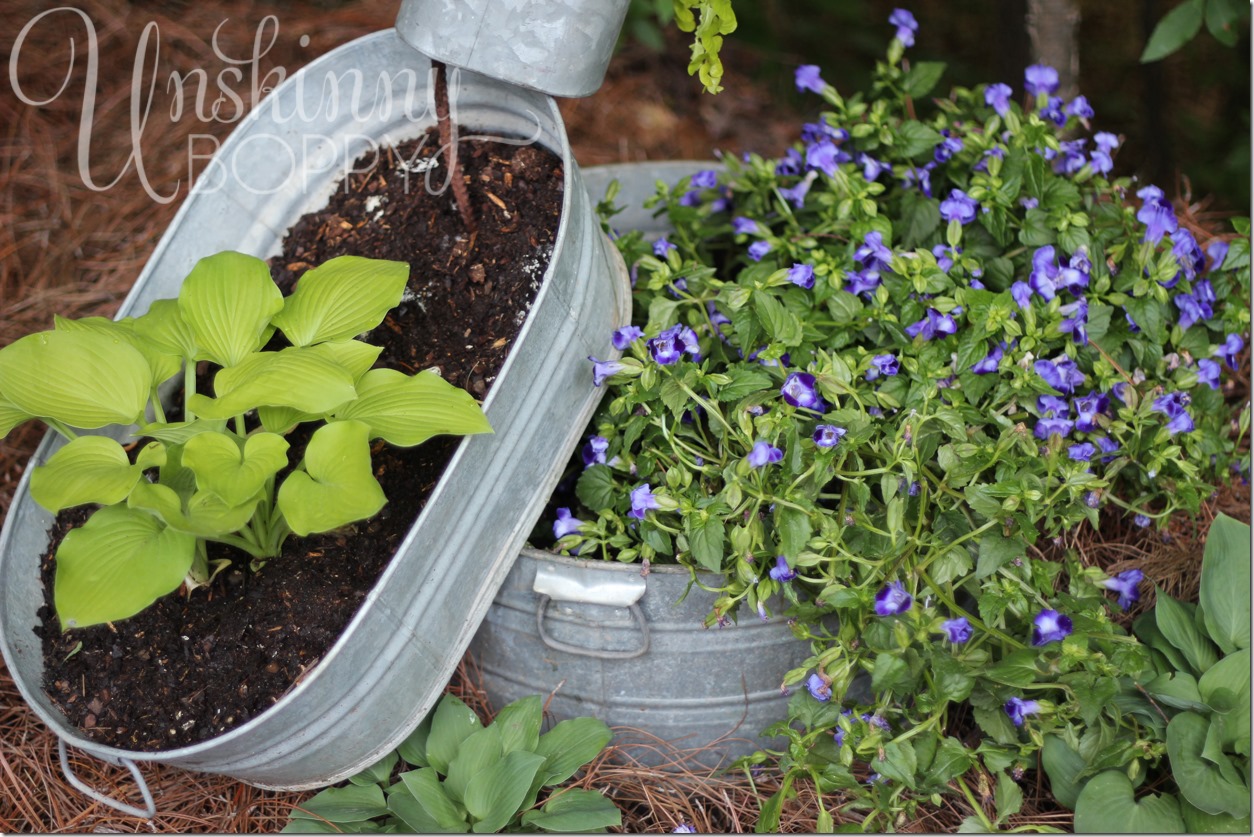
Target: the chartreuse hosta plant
(1193, 704)
(874, 374)
(225, 471)
(453, 776)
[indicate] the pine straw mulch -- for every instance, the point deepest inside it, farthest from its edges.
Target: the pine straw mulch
(72, 250)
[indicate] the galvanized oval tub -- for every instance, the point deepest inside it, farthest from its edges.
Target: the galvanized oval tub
(395, 657)
(613, 643)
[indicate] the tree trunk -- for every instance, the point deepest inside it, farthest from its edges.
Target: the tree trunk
(1053, 26)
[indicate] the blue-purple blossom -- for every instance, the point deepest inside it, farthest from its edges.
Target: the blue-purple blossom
(1187, 252)
(1081, 451)
(1070, 157)
(1108, 446)
(982, 164)
(871, 168)
(1050, 626)
(906, 26)
(1040, 78)
(838, 735)
(781, 571)
(1019, 709)
(621, 338)
(807, 78)
(603, 369)
(1051, 406)
(893, 599)
(566, 524)
(1173, 406)
(997, 96)
(1047, 427)
(1228, 351)
(873, 253)
(959, 206)
(819, 688)
(920, 178)
(1080, 108)
(1217, 250)
(1061, 374)
(763, 453)
(1053, 111)
(758, 249)
(800, 390)
(1208, 372)
(945, 256)
(1156, 214)
(1106, 141)
(642, 499)
(684, 828)
(990, 361)
(823, 156)
(796, 195)
(1088, 407)
(791, 163)
(669, 346)
(1191, 311)
(705, 179)
(863, 282)
(1044, 272)
(801, 275)
(947, 147)
(1021, 292)
(957, 630)
(1125, 584)
(828, 435)
(593, 452)
(932, 324)
(690, 198)
(1075, 320)
(742, 225)
(661, 247)
(883, 365)
(1141, 521)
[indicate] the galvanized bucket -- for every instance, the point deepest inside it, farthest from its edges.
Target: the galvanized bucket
(559, 47)
(392, 662)
(613, 643)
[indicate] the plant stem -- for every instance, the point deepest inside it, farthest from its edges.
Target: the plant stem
(448, 142)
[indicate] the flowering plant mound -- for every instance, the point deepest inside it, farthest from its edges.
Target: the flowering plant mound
(873, 373)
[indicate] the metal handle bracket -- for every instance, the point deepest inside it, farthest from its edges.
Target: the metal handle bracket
(599, 653)
(147, 812)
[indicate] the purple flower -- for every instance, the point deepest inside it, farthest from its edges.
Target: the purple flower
(1061, 374)
(593, 452)
(1156, 214)
(1051, 406)
(1080, 108)
(838, 735)
(819, 688)
(862, 281)
(565, 524)
(827, 435)
(1141, 521)
(668, 347)
(1125, 584)
(990, 361)
(781, 571)
(920, 178)
(959, 206)
(1040, 78)
(1190, 310)
(1081, 452)
(763, 454)
(1232, 345)
(947, 147)
(642, 499)
(1019, 709)
(684, 828)
(603, 369)
(957, 630)
(801, 275)
(982, 164)
(883, 365)
(1044, 272)
(799, 390)
(1050, 626)
(705, 179)
(661, 247)
(807, 78)
(1087, 409)
(1218, 251)
(1108, 446)
(997, 96)
(945, 256)
(906, 26)
(1187, 252)
(758, 249)
(933, 324)
(1070, 156)
(1053, 111)
(796, 195)
(1075, 321)
(1173, 406)
(623, 337)
(690, 198)
(1047, 427)
(893, 599)
(1208, 372)
(876, 721)
(1106, 141)
(823, 156)
(1021, 292)
(790, 163)
(873, 253)
(744, 226)
(871, 168)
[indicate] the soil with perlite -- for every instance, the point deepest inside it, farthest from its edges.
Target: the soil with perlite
(195, 666)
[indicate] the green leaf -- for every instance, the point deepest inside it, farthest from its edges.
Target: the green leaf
(416, 818)
(304, 379)
(163, 326)
(377, 773)
(89, 469)
(1148, 313)
(519, 723)
(743, 382)
(162, 365)
(1177, 28)
(1222, 17)
(915, 139)
(424, 787)
(1106, 804)
(204, 515)
(341, 298)
(1017, 669)
(178, 432)
(234, 474)
(1200, 781)
(479, 752)
(452, 723)
(494, 796)
(414, 748)
(337, 486)
(570, 745)
(1176, 622)
(898, 763)
(920, 218)
(793, 527)
(951, 760)
(780, 324)
(116, 564)
(227, 301)
(1063, 766)
(595, 488)
(1177, 689)
(353, 803)
(1197, 821)
(952, 680)
(1225, 586)
(706, 539)
(1231, 721)
(1008, 797)
(575, 810)
(355, 356)
(406, 410)
(80, 378)
(890, 673)
(996, 551)
(11, 416)
(922, 78)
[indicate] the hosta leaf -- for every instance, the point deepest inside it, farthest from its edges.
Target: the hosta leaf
(479, 752)
(206, 515)
(234, 474)
(1225, 587)
(344, 297)
(414, 748)
(1231, 721)
(519, 724)
(417, 818)
(573, 810)
(178, 432)
(227, 301)
(303, 379)
(1176, 622)
(116, 564)
(570, 745)
(11, 416)
(1202, 782)
(164, 327)
(80, 378)
(407, 410)
(376, 773)
(350, 804)
(337, 486)
(1197, 821)
(89, 469)
(451, 724)
(494, 796)
(424, 787)
(355, 356)
(281, 420)
(1106, 804)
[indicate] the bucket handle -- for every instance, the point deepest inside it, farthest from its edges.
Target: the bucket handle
(147, 812)
(599, 653)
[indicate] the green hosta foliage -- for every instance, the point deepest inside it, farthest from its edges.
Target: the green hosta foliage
(1199, 686)
(454, 775)
(876, 376)
(213, 476)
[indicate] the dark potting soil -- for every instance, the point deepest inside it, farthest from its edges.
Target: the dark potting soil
(195, 665)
